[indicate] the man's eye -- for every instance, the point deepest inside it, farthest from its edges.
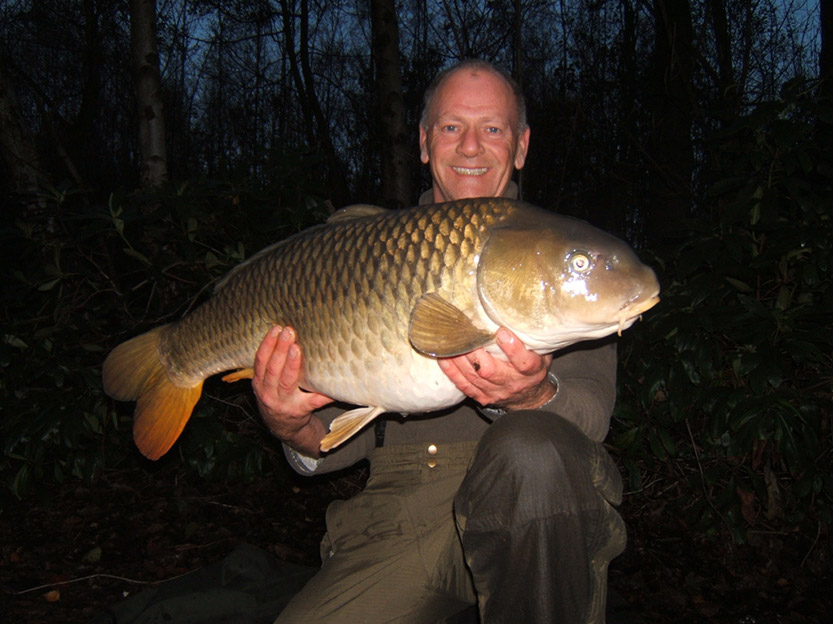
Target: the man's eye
(449, 128)
(493, 130)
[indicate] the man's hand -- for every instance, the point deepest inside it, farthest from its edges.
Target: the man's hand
(520, 383)
(285, 407)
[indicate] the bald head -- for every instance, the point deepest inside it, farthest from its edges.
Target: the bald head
(474, 66)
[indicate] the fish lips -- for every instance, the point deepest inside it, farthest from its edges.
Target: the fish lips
(631, 312)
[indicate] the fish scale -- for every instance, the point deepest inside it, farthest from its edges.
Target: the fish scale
(376, 296)
(319, 275)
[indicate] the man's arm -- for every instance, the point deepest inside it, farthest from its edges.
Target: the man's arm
(586, 375)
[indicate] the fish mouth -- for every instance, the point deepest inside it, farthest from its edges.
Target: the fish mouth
(633, 310)
(470, 171)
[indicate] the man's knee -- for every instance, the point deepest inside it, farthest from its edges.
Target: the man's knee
(527, 465)
(533, 443)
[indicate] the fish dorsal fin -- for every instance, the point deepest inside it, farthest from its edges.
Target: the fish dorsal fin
(440, 329)
(355, 211)
(347, 425)
(239, 267)
(348, 213)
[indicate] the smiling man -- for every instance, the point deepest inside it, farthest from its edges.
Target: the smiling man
(504, 501)
(472, 135)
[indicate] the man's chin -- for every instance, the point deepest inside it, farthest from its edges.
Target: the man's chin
(468, 191)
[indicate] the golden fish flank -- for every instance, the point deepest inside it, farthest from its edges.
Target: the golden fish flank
(376, 296)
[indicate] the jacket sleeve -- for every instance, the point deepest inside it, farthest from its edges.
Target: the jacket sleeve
(354, 450)
(586, 375)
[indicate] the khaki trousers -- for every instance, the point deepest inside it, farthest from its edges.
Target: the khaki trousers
(519, 523)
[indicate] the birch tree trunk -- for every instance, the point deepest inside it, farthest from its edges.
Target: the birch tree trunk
(397, 186)
(154, 165)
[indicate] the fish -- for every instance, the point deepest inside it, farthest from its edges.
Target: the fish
(376, 297)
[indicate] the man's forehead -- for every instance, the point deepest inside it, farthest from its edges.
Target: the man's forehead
(468, 73)
(453, 97)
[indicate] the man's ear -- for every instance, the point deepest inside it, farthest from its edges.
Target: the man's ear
(423, 145)
(523, 146)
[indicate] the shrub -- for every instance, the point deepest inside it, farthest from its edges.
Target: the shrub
(85, 276)
(726, 386)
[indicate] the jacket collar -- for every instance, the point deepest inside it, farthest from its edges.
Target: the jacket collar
(511, 192)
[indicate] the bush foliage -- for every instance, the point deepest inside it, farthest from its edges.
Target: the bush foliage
(87, 275)
(725, 388)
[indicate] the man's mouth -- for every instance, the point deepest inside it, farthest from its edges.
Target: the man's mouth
(470, 171)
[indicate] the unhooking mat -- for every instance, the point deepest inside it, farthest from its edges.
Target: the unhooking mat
(249, 586)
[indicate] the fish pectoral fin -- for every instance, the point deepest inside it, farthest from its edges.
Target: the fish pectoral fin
(440, 329)
(239, 374)
(347, 425)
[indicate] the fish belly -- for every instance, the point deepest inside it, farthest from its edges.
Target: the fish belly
(409, 385)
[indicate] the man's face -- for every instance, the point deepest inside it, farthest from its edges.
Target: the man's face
(472, 142)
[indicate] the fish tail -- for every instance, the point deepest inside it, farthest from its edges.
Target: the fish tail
(134, 372)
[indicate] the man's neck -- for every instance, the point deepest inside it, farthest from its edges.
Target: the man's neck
(510, 192)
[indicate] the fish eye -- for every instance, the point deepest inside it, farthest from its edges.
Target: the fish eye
(580, 262)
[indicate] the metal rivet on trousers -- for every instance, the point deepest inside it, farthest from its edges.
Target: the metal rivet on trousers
(432, 463)
(432, 449)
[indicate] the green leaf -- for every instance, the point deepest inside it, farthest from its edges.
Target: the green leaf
(49, 285)
(135, 254)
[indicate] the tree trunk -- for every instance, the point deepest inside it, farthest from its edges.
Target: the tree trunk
(826, 53)
(288, 16)
(397, 159)
(336, 175)
(517, 70)
(670, 101)
(727, 99)
(16, 146)
(317, 125)
(154, 165)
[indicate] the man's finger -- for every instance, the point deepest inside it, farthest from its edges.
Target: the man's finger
(524, 360)
(264, 351)
(291, 371)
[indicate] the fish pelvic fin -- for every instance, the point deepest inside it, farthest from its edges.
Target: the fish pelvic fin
(134, 372)
(347, 425)
(440, 329)
(239, 375)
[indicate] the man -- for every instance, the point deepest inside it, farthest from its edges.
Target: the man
(504, 500)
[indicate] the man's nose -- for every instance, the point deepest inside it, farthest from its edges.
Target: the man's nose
(469, 143)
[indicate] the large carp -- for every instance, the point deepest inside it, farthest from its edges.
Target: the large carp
(376, 296)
